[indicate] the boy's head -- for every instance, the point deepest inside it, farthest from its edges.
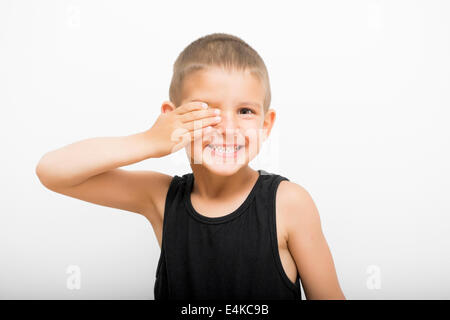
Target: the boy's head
(217, 50)
(225, 72)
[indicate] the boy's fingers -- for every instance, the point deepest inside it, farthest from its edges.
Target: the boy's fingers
(204, 133)
(193, 135)
(198, 114)
(201, 123)
(191, 106)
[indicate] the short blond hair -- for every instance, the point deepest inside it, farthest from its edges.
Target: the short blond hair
(218, 50)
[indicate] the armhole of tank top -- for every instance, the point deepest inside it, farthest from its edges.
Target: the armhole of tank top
(170, 190)
(273, 231)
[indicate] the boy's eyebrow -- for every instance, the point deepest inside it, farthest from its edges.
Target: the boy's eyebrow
(255, 104)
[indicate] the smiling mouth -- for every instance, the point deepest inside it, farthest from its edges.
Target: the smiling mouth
(225, 149)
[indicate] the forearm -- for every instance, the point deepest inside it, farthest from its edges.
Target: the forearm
(76, 162)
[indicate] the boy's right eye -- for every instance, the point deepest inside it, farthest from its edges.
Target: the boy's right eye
(247, 109)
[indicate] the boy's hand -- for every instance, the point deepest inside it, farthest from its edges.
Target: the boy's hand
(175, 129)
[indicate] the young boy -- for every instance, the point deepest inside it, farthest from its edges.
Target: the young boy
(225, 230)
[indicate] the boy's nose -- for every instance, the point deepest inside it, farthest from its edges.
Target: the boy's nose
(228, 122)
(228, 126)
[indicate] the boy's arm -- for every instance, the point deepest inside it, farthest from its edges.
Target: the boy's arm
(89, 170)
(307, 243)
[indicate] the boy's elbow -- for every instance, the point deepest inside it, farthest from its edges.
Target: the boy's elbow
(42, 172)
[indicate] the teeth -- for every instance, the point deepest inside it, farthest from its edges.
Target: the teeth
(221, 149)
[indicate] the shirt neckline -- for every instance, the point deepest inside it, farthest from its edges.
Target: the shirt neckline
(221, 219)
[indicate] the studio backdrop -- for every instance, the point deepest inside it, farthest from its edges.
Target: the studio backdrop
(362, 95)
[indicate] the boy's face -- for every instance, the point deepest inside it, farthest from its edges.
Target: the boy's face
(240, 96)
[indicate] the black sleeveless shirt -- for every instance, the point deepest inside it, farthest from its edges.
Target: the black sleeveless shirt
(229, 257)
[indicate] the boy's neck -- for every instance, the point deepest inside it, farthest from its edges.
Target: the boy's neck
(209, 185)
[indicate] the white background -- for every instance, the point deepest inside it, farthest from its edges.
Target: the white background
(361, 90)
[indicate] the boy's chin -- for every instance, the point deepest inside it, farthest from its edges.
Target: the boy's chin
(223, 169)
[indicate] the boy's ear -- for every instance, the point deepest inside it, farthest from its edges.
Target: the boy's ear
(269, 120)
(167, 106)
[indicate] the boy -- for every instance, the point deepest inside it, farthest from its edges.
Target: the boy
(225, 230)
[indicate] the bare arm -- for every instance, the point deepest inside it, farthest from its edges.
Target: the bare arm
(76, 162)
(307, 244)
(89, 169)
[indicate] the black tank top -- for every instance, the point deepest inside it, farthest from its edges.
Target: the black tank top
(229, 257)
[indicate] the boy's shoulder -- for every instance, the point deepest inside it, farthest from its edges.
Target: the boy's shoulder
(294, 203)
(292, 193)
(291, 197)
(288, 188)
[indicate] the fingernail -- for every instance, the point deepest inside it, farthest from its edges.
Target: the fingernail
(217, 111)
(204, 105)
